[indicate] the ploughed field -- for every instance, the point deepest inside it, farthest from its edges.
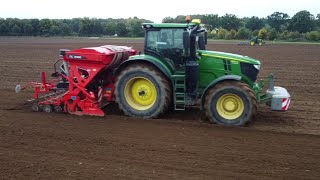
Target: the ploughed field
(179, 145)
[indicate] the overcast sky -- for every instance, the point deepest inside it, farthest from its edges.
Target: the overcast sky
(151, 10)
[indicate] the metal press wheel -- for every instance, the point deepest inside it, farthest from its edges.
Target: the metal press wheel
(35, 108)
(47, 108)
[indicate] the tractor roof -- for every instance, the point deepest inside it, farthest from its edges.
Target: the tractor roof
(167, 25)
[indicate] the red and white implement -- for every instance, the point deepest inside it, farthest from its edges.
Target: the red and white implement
(84, 84)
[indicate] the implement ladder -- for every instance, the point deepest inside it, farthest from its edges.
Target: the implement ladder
(179, 91)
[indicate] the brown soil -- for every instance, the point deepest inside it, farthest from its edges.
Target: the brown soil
(181, 146)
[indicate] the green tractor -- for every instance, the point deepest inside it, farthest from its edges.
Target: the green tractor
(176, 71)
(256, 41)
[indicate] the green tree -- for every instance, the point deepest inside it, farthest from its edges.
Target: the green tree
(313, 36)
(243, 33)
(13, 22)
(110, 28)
(75, 25)
(318, 21)
(35, 23)
(45, 26)
(55, 30)
(86, 27)
(4, 30)
(255, 32)
(168, 19)
(135, 27)
(277, 19)
(16, 30)
(180, 19)
(273, 34)
(254, 23)
(97, 28)
(121, 29)
(211, 21)
(230, 21)
(233, 34)
(294, 36)
(65, 29)
(302, 22)
(263, 33)
(222, 33)
(284, 35)
(27, 29)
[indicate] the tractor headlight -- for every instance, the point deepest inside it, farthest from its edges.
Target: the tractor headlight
(257, 66)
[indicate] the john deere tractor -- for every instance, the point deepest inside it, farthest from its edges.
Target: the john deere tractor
(176, 71)
(256, 41)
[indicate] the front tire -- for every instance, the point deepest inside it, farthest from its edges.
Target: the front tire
(230, 103)
(142, 91)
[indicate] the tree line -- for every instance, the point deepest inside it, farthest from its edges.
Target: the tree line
(277, 26)
(72, 27)
(302, 26)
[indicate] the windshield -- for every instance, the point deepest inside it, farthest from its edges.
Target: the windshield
(164, 40)
(167, 43)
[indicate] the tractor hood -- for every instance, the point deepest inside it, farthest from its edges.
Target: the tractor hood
(230, 56)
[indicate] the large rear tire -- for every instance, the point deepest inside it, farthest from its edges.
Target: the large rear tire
(230, 103)
(142, 91)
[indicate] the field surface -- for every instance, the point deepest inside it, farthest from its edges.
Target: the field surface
(178, 146)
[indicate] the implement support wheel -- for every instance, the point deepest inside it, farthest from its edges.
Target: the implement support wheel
(47, 108)
(35, 108)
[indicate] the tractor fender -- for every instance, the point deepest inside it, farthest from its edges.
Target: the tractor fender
(157, 64)
(216, 81)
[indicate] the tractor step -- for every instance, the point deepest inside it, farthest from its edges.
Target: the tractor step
(179, 91)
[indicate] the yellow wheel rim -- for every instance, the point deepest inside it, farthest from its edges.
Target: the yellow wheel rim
(230, 106)
(251, 43)
(140, 93)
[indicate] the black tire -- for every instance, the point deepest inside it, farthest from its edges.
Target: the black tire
(157, 79)
(47, 108)
(58, 109)
(35, 108)
(237, 89)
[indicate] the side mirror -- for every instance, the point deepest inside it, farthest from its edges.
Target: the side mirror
(202, 43)
(206, 38)
(186, 42)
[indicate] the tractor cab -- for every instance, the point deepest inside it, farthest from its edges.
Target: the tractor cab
(173, 42)
(176, 45)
